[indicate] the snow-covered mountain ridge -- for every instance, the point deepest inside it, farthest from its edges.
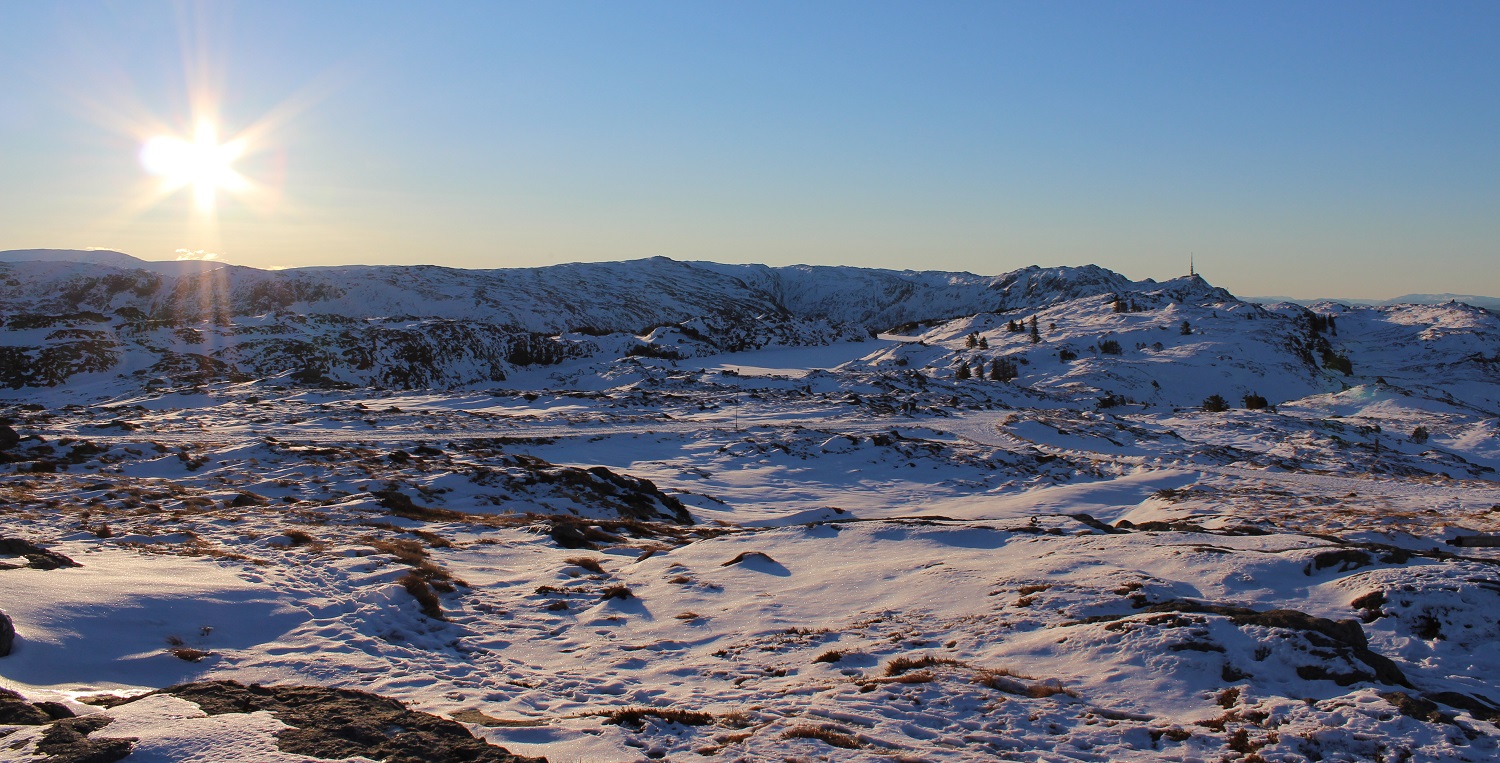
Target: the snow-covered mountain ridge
(71, 312)
(608, 296)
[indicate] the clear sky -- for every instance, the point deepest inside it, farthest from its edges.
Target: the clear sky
(1300, 149)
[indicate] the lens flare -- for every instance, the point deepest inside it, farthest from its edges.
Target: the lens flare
(203, 163)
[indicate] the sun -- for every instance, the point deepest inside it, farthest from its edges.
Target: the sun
(203, 163)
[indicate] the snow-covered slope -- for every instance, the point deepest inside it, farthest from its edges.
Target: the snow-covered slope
(739, 527)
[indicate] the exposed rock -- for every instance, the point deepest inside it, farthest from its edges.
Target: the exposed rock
(746, 556)
(344, 723)
(569, 536)
(36, 556)
(7, 633)
(68, 742)
(16, 711)
(9, 438)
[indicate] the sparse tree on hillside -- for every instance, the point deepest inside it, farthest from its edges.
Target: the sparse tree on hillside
(1110, 347)
(1186, 330)
(1003, 369)
(972, 340)
(1255, 402)
(963, 370)
(1215, 404)
(1036, 335)
(1337, 361)
(984, 344)
(1419, 435)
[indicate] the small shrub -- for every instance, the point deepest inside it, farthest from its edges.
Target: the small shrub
(1064, 355)
(1215, 404)
(1255, 402)
(1110, 347)
(1420, 434)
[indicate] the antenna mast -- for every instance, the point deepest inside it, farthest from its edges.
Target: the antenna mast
(1192, 271)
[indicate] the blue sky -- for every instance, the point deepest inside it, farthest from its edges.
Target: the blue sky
(1305, 149)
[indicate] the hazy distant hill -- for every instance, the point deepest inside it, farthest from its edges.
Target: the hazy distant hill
(1488, 303)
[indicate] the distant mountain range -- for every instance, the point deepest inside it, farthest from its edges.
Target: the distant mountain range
(1488, 303)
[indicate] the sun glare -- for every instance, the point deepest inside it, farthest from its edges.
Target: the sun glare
(202, 163)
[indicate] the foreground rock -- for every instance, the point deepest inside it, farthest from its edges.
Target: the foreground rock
(344, 723)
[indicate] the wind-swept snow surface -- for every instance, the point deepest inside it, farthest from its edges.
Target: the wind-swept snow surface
(739, 534)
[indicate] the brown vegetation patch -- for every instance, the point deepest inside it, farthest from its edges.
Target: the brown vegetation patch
(189, 654)
(423, 592)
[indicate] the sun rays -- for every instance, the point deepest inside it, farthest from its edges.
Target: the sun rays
(203, 164)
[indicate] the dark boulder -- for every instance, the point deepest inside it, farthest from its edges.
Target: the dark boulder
(9, 438)
(7, 634)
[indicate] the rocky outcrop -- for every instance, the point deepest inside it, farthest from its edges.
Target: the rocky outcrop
(331, 723)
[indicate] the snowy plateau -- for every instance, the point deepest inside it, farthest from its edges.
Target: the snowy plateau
(661, 510)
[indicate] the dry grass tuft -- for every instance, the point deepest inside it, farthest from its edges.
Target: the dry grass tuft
(832, 655)
(618, 591)
(903, 664)
(589, 563)
(632, 716)
(823, 734)
(1229, 697)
